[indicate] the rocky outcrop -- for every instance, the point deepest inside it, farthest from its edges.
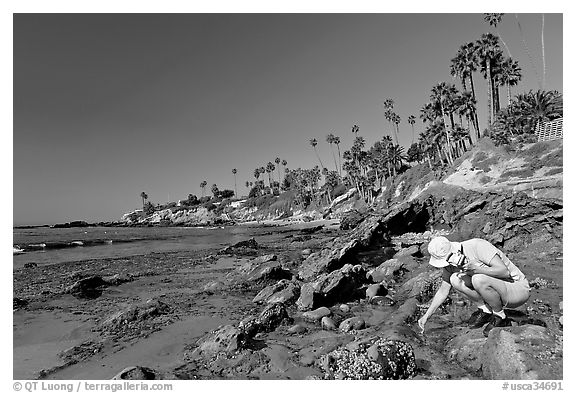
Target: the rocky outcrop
(522, 352)
(243, 248)
(226, 339)
(87, 288)
(264, 268)
(268, 320)
(284, 291)
(137, 313)
(351, 219)
(339, 286)
(386, 270)
(328, 260)
(421, 287)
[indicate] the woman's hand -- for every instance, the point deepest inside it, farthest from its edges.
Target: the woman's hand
(422, 322)
(469, 268)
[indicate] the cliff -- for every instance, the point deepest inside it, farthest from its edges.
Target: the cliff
(536, 169)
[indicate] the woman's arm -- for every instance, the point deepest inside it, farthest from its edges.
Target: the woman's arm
(495, 268)
(439, 298)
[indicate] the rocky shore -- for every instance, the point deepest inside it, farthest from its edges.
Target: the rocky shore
(319, 304)
(310, 303)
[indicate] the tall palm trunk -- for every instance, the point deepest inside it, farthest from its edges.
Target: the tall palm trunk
(490, 93)
(447, 133)
(495, 99)
(278, 175)
(475, 120)
(339, 160)
(317, 156)
(509, 93)
(334, 157)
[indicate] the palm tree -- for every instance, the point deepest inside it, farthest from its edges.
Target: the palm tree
(144, 197)
(284, 163)
(464, 65)
(540, 107)
(390, 116)
(234, 171)
(337, 143)
(493, 19)
(270, 168)
(247, 184)
(396, 157)
(396, 120)
(203, 185)
(487, 50)
(442, 94)
(214, 190)
(277, 161)
(257, 174)
(467, 108)
(355, 130)
(510, 75)
(388, 103)
(412, 121)
(313, 143)
(330, 138)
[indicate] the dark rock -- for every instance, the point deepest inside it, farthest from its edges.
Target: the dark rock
(413, 250)
(137, 313)
(243, 247)
(375, 359)
(376, 290)
(466, 349)
(136, 373)
(308, 298)
(338, 286)
(225, 338)
(317, 314)
(327, 323)
(386, 270)
(87, 288)
(521, 353)
(264, 268)
(353, 323)
(18, 303)
(311, 230)
(283, 291)
(268, 320)
(351, 219)
(422, 287)
(327, 260)
(30, 265)
(72, 224)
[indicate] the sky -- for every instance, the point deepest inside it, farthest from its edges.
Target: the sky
(106, 106)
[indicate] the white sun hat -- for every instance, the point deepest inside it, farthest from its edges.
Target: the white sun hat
(439, 249)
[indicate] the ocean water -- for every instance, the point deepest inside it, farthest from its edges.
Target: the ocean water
(123, 242)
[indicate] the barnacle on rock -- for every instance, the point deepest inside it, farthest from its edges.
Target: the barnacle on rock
(397, 362)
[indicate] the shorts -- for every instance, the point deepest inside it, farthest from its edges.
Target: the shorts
(517, 293)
